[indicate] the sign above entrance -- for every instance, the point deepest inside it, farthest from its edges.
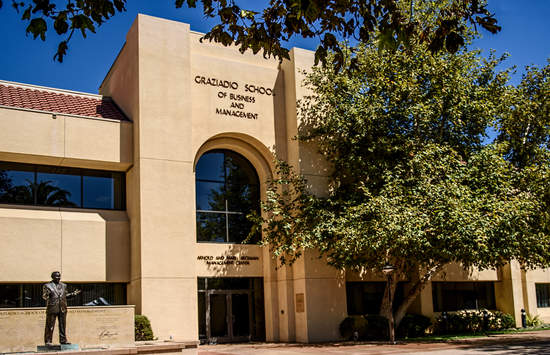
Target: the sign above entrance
(227, 260)
(235, 104)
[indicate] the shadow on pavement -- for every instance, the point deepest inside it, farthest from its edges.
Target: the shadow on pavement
(517, 347)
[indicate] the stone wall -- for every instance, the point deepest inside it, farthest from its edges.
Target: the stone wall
(22, 329)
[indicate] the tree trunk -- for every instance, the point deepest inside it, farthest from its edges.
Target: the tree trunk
(386, 309)
(409, 299)
(411, 296)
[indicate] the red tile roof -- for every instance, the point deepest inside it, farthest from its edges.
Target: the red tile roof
(58, 101)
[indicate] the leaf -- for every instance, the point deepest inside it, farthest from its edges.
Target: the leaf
(37, 27)
(27, 14)
(61, 51)
(60, 25)
(248, 14)
(453, 42)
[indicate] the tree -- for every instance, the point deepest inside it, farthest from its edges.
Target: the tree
(413, 183)
(281, 20)
(526, 126)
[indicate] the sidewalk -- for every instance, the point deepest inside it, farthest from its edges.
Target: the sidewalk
(535, 342)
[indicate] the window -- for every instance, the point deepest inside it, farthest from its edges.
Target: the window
(30, 295)
(227, 189)
(454, 296)
(366, 297)
(43, 185)
(543, 295)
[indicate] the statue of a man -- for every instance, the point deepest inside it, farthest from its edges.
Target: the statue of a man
(55, 294)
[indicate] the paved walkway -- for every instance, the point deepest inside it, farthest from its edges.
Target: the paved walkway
(537, 342)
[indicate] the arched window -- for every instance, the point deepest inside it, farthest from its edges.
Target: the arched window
(227, 189)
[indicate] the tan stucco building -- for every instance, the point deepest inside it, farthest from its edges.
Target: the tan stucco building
(138, 196)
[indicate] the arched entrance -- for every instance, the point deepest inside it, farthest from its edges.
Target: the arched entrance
(230, 309)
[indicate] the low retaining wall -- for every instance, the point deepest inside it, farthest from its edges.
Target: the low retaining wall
(22, 329)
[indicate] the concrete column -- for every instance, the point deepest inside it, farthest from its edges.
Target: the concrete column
(424, 303)
(286, 319)
(149, 81)
(325, 299)
(509, 291)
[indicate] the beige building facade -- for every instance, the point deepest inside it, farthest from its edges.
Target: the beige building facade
(158, 174)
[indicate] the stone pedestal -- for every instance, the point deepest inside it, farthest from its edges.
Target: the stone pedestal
(22, 329)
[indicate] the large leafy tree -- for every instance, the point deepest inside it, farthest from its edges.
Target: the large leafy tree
(280, 21)
(415, 180)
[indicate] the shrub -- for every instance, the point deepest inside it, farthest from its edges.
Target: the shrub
(377, 327)
(533, 321)
(413, 326)
(473, 322)
(353, 324)
(507, 320)
(368, 327)
(142, 328)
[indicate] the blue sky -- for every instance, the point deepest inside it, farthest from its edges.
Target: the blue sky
(525, 36)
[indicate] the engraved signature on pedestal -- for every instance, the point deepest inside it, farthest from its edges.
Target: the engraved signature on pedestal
(106, 334)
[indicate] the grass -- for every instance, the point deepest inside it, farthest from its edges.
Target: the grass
(451, 337)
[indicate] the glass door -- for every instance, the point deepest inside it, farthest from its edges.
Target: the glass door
(240, 316)
(219, 327)
(228, 316)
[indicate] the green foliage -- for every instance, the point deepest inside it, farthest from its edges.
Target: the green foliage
(375, 327)
(413, 326)
(142, 328)
(533, 321)
(525, 127)
(353, 324)
(392, 22)
(82, 15)
(389, 22)
(368, 327)
(471, 321)
(413, 181)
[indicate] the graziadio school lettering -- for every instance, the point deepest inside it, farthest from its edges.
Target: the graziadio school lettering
(233, 85)
(216, 82)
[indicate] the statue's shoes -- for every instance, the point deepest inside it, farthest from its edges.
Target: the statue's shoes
(49, 344)
(66, 343)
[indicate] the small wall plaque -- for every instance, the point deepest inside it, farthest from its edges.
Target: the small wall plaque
(300, 303)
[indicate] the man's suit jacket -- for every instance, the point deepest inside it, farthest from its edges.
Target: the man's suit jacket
(55, 296)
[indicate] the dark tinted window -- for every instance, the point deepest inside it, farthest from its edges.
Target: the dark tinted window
(61, 187)
(543, 295)
(454, 296)
(103, 190)
(211, 166)
(58, 187)
(17, 184)
(30, 295)
(227, 189)
(366, 297)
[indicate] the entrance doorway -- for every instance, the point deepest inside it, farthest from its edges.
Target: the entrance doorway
(228, 316)
(230, 310)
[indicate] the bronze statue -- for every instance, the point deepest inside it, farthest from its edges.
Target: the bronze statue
(55, 294)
